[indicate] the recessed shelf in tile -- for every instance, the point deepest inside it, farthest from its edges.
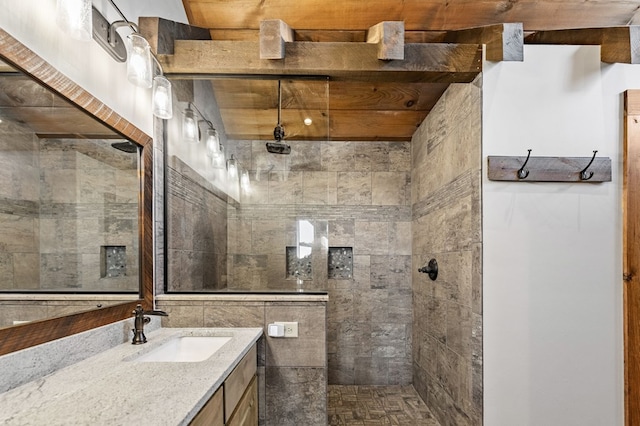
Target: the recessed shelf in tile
(113, 261)
(340, 263)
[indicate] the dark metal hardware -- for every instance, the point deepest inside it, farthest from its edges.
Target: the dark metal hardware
(583, 173)
(138, 327)
(431, 269)
(522, 173)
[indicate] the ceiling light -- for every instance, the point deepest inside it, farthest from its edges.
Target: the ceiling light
(308, 121)
(74, 17)
(190, 131)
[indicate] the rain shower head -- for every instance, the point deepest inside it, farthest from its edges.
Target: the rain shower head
(278, 147)
(126, 146)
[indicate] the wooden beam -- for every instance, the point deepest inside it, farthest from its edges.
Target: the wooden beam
(618, 44)
(389, 37)
(274, 33)
(161, 33)
(442, 63)
(504, 42)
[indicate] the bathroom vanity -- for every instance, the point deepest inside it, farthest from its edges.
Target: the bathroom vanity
(126, 385)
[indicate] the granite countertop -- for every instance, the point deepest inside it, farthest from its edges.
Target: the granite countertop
(111, 389)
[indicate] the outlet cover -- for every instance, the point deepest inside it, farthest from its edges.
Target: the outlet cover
(290, 328)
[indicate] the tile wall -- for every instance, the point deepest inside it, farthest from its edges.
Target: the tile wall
(66, 199)
(446, 208)
(292, 372)
(356, 195)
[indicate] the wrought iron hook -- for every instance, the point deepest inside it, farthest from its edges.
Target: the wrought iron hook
(522, 173)
(583, 173)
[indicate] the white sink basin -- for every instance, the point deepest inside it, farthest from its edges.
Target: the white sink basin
(185, 349)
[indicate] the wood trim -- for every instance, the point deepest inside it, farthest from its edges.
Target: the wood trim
(631, 256)
(37, 332)
(618, 44)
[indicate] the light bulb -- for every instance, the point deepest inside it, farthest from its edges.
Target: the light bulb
(139, 65)
(212, 142)
(189, 127)
(308, 121)
(232, 168)
(75, 18)
(162, 103)
(245, 182)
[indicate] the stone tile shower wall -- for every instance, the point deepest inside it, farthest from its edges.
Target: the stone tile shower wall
(446, 204)
(357, 197)
(68, 204)
(197, 231)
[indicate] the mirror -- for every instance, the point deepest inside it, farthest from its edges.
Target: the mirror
(75, 203)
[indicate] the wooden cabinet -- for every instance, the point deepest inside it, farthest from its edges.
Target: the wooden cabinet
(246, 412)
(236, 402)
(212, 413)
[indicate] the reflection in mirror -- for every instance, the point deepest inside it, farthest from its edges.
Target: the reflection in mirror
(241, 218)
(69, 205)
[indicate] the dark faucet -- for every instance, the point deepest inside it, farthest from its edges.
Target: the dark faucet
(138, 328)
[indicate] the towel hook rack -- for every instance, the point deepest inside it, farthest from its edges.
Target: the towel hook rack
(583, 173)
(522, 173)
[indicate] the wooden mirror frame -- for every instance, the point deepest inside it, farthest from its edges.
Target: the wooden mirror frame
(34, 333)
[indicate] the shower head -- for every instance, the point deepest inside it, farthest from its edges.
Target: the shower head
(278, 148)
(126, 146)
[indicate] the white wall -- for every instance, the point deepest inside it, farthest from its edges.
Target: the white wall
(553, 251)
(32, 22)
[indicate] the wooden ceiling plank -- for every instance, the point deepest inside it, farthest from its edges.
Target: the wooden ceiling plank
(505, 42)
(389, 37)
(353, 61)
(618, 44)
(274, 33)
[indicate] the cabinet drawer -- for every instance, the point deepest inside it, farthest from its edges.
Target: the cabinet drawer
(238, 380)
(246, 413)
(211, 414)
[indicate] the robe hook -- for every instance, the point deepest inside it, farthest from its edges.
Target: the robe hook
(583, 173)
(431, 269)
(522, 173)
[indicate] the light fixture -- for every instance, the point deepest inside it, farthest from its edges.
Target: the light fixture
(74, 17)
(139, 66)
(245, 182)
(232, 168)
(161, 97)
(190, 130)
(308, 121)
(212, 143)
(82, 21)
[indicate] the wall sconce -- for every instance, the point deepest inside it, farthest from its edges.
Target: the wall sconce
(232, 168)
(82, 21)
(245, 182)
(212, 142)
(161, 95)
(190, 130)
(139, 66)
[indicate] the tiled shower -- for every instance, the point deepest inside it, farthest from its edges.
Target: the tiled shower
(377, 211)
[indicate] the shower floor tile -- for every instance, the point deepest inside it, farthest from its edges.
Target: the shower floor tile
(377, 405)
